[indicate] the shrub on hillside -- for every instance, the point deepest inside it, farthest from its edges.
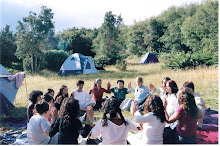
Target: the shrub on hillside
(54, 59)
(190, 60)
(121, 65)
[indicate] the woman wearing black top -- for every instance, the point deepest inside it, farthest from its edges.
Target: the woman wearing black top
(63, 93)
(68, 125)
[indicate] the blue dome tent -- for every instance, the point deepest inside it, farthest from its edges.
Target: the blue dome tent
(77, 64)
(149, 58)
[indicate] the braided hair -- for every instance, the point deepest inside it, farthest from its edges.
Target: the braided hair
(112, 107)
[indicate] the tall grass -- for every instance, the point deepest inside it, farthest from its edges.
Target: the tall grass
(205, 80)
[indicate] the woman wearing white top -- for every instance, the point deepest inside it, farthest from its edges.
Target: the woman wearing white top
(115, 129)
(161, 91)
(170, 134)
(153, 120)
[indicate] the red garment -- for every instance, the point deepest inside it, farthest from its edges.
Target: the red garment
(187, 125)
(98, 94)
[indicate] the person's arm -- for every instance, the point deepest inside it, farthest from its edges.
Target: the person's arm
(173, 118)
(88, 96)
(138, 118)
(54, 128)
(89, 122)
(96, 131)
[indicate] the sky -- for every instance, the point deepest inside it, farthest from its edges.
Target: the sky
(85, 13)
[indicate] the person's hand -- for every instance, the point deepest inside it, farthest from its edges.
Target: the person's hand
(108, 85)
(129, 85)
(72, 94)
(58, 100)
(164, 102)
(134, 107)
(54, 113)
(152, 87)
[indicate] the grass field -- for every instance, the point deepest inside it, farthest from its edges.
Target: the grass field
(205, 80)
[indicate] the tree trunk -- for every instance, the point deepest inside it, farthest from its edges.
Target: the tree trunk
(32, 64)
(36, 65)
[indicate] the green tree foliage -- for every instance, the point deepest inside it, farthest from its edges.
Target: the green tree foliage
(78, 40)
(135, 37)
(152, 35)
(54, 59)
(31, 35)
(106, 45)
(200, 31)
(7, 47)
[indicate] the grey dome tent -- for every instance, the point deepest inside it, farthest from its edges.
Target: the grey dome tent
(77, 64)
(8, 91)
(149, 58)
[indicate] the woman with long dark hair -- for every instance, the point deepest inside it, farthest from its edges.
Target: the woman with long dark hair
(68, 125)
(187, 115)
(153, 119)
(115, 129)
(170, 136)
(63, 93)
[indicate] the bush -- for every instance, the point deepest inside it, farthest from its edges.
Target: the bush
(54, 59)
(190, 60)
(121, 65)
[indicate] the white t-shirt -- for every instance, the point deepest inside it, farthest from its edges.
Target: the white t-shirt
(152, 128)
(172, 106)
(36, 130)
(113, 134)
(82, 97)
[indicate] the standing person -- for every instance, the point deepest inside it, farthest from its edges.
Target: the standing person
(115, 129)
(63, 93)
(82, 96)
(68, 125)
(119, 91)
(199, 102)
(153, 119)
(34, 97)
(187, 115)
(161, 91)
(50, 92)
(170, 135)
(98, 93)
(141, 92)
(38, 126)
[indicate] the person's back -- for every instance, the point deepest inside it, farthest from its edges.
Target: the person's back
(68, 132)
(36, 130)
(113, 134)
(153, 130)
(187, 124)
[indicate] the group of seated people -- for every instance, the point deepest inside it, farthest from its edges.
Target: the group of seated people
(166, 115)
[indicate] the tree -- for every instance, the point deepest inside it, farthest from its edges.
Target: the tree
(7, 47)
(31, 34)
(106, 45)
(155, 30)
(201, 30)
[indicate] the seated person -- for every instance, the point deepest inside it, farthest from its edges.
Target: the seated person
(34, 97)
(119, 91)
(161, 91)
(50, 92)
(38, 126)
(82, 96)
(49, 99)
(114, 130)
(153, 121)
(68, 125)
(98, 93)
(141, 92)
(61, 95)
(199, 102)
